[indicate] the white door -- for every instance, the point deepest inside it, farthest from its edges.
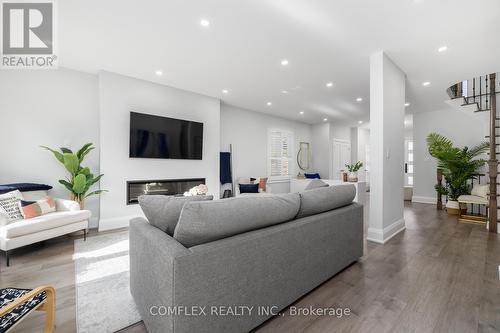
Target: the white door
(408, 162)
(341, 157)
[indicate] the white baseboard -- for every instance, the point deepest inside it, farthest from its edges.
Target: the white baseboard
(382, 236)
(426, 200)
(115, 222)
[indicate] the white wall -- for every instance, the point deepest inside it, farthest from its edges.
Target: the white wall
(247, 132)
(56, 108)
(321, 149)
(363, 143)
(463, 128)
(340, 132)
(387, 98)
(118, 96)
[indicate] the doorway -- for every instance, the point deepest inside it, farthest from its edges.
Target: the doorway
(340, 157)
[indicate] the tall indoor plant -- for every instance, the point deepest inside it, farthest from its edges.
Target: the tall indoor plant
(457, 166)
(80, 179)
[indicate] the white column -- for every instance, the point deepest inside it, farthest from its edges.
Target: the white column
(387, 98)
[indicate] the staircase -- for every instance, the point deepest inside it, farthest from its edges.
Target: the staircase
(480, 95)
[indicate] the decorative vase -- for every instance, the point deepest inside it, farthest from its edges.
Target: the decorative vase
(80, 202)
(352, 177)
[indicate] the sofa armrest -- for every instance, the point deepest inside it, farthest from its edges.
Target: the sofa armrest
(152, 259)
(4, 220)
(63, 205)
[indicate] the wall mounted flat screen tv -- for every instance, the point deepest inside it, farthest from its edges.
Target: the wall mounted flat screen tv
(162, 137)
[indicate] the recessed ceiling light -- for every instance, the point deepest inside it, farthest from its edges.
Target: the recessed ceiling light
(360, 122)
(301, 112)
(205, 23)
(284, 62)
(284, 91)
(225, 91)
(407, 104)
(443, 48)
(325, 119)
(329, 84)
(269, 103)
(359, 99)
(426, 83)
(159, 73)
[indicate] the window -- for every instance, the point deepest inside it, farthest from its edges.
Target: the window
(280, 154)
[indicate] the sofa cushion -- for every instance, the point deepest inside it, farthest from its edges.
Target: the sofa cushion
(324, 199)
(43, 222)
(315, 183)
(163, 211)
(203, 222)
(480, 190)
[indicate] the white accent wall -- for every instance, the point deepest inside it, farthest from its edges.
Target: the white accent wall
(247, 132)
(321, 149)
(463, 128)
(119, 95)
(55, 108)
(387, 98)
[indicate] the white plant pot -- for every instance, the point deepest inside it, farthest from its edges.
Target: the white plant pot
(352, 177)
(454, 208)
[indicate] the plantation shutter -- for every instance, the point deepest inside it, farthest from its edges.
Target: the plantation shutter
(280, 154)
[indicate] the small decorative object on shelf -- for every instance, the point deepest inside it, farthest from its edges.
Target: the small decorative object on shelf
(201, 189)
(344, 176)
(353, 171)
(80, 179)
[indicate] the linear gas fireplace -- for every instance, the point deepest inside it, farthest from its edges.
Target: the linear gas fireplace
(176, 187)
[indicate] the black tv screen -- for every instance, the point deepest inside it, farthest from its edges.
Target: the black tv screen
(162, 137)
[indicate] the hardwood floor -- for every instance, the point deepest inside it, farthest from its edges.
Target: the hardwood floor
(436, 276)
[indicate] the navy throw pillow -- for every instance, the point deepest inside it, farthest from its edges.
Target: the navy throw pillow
(249, 188)
(312, 175)
(6, 189)
(26, 187)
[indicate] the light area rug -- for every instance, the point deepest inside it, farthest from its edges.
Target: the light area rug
(103, 299)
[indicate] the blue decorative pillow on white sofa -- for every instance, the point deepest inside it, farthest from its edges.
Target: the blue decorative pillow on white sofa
(249, 188)
(312, 175)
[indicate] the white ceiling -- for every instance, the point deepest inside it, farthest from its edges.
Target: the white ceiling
(323, 40)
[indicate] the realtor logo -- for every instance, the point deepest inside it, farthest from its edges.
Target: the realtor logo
(28, 35)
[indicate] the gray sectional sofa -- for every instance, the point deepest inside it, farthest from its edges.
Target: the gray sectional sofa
(231, 264)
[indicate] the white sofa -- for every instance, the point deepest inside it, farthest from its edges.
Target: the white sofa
(66, 219)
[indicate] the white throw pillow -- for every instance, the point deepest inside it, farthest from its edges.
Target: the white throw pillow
(480, 190)
(9, 205)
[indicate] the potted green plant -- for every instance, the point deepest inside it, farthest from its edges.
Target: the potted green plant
(353, 171)
(80, 179)
(457, 166)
